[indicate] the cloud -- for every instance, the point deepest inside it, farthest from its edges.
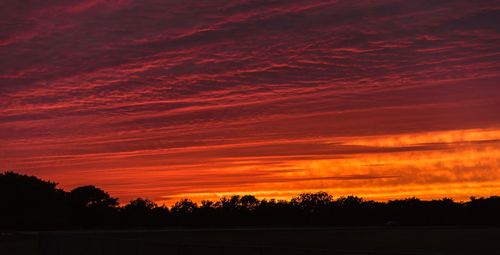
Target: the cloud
(234, 88)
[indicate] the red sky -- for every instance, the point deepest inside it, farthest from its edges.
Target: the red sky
(199, 99)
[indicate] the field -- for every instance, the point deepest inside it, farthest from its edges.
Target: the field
(342, 240)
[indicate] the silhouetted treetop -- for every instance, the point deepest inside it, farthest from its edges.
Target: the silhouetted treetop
(27, 202)
(185, 206)
(249, 202)
(91, 196)
(312, 200)
(140, 204)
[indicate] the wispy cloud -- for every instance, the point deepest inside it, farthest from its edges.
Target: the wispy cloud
(144, 96)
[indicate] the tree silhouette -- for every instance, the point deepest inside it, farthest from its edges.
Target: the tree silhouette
(143, 213)
(91, 197)
(27, 202)
(311, 201)
(92, 206)
(184, 207)
(249, 202)
(183, 213)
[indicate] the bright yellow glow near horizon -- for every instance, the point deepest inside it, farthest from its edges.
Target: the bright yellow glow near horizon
(455, 164)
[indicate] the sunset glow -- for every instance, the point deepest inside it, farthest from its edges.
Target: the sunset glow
(201, 99)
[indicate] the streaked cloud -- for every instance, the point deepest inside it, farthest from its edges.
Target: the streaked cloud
(165, 99)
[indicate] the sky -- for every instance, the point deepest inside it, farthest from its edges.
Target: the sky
(201, 99)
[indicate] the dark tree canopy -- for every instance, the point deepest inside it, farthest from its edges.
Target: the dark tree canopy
(27, 202)
(92, 197)
(143, 212)
(92, 206)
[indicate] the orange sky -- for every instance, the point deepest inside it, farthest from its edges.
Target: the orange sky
(166, 100)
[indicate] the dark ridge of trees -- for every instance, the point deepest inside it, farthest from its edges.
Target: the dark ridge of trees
(27, 202)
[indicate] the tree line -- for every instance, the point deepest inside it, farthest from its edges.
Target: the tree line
(27, 202)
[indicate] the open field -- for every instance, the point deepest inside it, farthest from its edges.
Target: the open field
(19, 244)
(346, 240)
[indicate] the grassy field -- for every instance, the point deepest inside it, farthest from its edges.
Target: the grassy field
(348, 240)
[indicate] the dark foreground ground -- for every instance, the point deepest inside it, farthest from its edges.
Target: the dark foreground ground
(347, 240)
